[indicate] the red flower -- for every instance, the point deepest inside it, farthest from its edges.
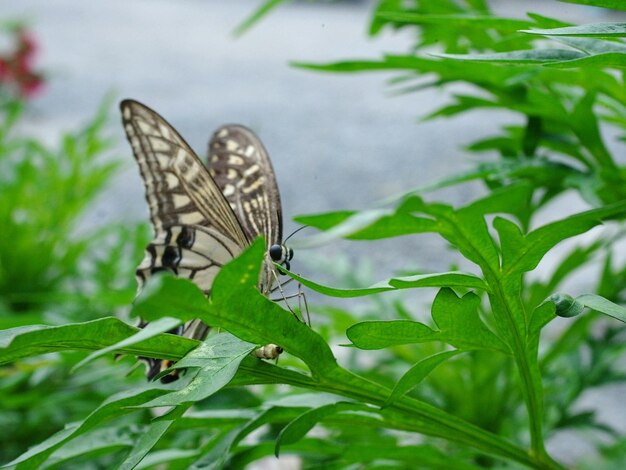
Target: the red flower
(16, 68)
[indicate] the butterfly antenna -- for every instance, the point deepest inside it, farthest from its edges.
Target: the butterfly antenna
(294, 232)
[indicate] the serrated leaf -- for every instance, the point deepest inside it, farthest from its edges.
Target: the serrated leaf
(414, 376)
(526, 256)
(459, 322)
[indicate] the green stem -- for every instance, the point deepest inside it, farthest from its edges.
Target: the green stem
(500, 305)
(407, 413)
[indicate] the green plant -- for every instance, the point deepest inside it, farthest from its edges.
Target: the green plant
(476, 383)
(51, 272)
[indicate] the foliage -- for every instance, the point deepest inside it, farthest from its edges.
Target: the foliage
(484, 380)
(52, 270)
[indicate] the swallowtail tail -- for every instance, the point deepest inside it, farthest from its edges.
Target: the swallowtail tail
(204, 216)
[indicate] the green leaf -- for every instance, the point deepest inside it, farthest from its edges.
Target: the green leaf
(151, 330)
(428, 456)
(460, 324)
(606, 59)
(257, 15)
(299, 427)
(169, 456)
(382, 334)
(509, 199)
(34, 340)
(150, 437)
(102, 440)
(166, 295)
(532, 56)
(601, 30)
(353, 224)
(457, 320)
(324, 221)
(414, 376)
(449, 279)
(457, 21)
(235, 291)
(218, 359)
(614, 4)
(116, 405)
(602, 305)
(523, 256)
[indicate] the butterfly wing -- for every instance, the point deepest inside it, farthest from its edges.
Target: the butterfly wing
(196, 231)
(241, 168)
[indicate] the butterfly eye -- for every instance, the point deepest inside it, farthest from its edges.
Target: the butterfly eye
(276, 252)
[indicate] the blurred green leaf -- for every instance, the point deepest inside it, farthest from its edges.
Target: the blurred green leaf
(602, 30)
(299, 427)
(265, 8)
(532, 56)
(614, 4)
(157, 428)
(417, 373)
(116, 405)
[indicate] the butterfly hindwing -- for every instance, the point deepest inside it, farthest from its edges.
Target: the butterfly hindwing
(241, 168)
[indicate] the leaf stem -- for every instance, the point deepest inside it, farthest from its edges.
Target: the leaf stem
(406, 414)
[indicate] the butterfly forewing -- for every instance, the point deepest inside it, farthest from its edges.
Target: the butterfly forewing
(179, 190)
(241, 168)
(196, 231)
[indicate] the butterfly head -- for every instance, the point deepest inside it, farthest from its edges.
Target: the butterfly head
(281, 254)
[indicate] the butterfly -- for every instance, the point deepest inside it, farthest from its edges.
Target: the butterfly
(203, 216)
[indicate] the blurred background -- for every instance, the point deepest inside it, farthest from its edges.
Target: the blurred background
(336, 141)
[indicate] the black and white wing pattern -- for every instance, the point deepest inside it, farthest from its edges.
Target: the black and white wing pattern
(196, 231)
(203, 218)
(241, 168)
